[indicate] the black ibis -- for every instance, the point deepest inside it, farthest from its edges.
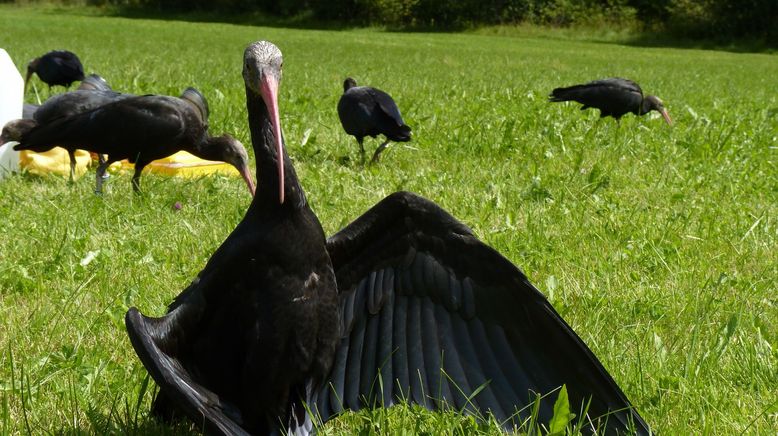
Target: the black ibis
(613, 97)
(423, 312)
(58, 67)
(140, 129)
(259, 325)
(366, 111)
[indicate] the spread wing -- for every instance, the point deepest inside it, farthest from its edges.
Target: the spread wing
(432, 316)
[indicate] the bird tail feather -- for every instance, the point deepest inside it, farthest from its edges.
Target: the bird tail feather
(400, 134)
(565, 94)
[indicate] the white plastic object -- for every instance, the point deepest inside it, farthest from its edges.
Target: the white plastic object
(11, 102)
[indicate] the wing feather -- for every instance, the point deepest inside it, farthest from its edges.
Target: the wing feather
(368, 383)
(400, 356)
(452, 366)
(416, 372)
(385, 346)
(431, 349)
(351, 388)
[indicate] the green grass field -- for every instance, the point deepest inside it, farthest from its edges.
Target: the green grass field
(657, 244)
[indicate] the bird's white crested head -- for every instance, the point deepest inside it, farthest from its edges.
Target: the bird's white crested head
(261, 58)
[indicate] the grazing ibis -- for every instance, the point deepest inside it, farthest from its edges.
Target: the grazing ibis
(366, 111)
(423, 312)
(614, 97)
(140, 129)
(58, 67)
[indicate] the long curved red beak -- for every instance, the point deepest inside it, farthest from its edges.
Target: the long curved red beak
(269, 90)
(666, 116)
(245, 172)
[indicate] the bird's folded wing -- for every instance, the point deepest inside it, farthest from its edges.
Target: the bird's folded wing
(387, 105)
(617, 82)
(71, 67)
(432, 316)
(129, 122)
(157, 341)
(203, 406)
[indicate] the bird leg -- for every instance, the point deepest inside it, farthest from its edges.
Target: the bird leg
(361, 149)
(101, 159)
(378, 151)
(101, 176)
(72, 155)
(136, 177)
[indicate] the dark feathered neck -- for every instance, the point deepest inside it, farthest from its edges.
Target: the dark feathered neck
(647, 105)
(210, 148)
(263, 140)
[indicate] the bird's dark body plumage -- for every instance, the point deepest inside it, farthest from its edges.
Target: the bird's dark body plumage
(423, 309)
(614, 97)
(366, 111)
(58, 67)
(138, 128)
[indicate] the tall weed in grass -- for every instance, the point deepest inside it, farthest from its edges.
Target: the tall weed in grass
(656, 244)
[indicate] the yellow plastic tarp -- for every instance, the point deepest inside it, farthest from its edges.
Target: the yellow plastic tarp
(181, 164)
(54, 161)
(186, 165)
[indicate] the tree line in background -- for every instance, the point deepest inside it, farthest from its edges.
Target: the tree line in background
(717, 19)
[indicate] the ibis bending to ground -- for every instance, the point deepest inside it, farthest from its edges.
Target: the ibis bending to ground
(366, 111)
(422, 312)
(614, 97)
(58, 67)
(140, 129)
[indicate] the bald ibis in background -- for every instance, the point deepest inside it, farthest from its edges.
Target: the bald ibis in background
(140, 129)
(613, 97)
(366, 111)
(423, 312)
(58, 67)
